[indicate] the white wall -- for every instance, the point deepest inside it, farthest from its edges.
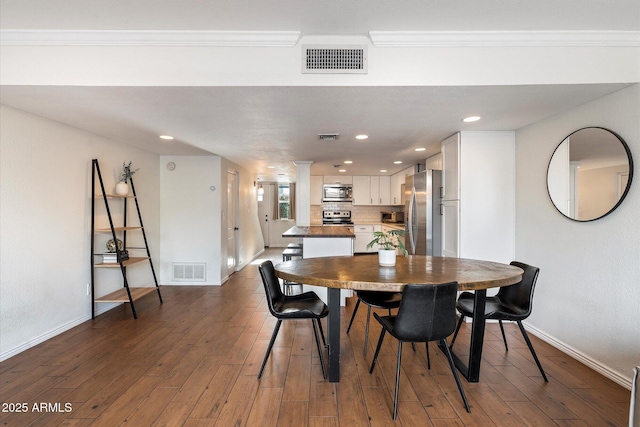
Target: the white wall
(190, 215)
(192, 226)
(45, 209)
(249, 237)
(588, 291)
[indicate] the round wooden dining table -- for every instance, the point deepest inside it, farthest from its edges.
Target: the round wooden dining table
(362, 272)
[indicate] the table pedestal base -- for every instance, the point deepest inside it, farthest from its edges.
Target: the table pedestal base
(472, 371)
(333, 326)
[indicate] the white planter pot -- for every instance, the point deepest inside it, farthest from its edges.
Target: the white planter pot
(387, 258)
(122, 189)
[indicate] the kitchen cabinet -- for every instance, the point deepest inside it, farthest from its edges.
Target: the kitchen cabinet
(478, 205)
(364, 234)
(386, 228)
(371, 190)
(451, 167)
(450, 210)
(316, 189)
(434, 162)
(338, 179)
(396, 196)
(385, 190)
(361, 190)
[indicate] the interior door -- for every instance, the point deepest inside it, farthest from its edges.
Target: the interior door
(264, 211)
(232, 228)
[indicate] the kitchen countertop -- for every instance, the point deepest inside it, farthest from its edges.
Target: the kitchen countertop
(319, 231)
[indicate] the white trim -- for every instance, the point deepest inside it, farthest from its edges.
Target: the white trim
(148, 38)
(56, 331)
(624, 381)
(505, 38)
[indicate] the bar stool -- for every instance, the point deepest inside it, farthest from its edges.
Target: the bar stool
(287, 255)
(290, 253)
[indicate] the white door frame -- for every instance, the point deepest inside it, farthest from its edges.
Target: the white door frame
(232, 221)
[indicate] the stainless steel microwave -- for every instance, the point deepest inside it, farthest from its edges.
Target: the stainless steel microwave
(337, 193)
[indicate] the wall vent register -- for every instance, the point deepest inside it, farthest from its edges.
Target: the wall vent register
(333, 60)
(189, 272)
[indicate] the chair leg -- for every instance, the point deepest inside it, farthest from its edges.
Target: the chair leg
(533, 352)
(366, 332)
(504, 337)
(316, 323)
(455, 334)
(324, 341)
(395, 397)
(273, 339)
(375, 356)
(428, 357)
(353, 316)
(443, 344)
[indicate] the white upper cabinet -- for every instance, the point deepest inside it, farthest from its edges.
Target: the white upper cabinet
(385, 190)
(397, 181)
(451, 168)
(434, 162)
(361, 190)
(479, 203)
(372, 190)
(316, 189)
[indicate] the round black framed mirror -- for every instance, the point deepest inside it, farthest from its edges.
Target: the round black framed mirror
(589, 174)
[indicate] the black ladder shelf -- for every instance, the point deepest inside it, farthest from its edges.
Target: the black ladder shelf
(126, 294)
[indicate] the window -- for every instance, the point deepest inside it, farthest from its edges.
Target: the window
(284, 206)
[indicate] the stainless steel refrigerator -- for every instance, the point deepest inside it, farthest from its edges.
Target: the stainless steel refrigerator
(423, 222)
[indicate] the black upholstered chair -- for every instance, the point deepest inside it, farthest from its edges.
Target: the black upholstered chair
(374, 299)
(284, 307)
(426, 313)
(512, 303)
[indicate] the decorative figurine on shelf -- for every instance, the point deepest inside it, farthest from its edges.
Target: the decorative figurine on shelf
(122, 188)
(387, 242)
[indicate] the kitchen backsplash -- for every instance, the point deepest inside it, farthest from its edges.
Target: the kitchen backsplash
(358, 213)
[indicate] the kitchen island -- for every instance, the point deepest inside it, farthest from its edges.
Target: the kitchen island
(323, 241)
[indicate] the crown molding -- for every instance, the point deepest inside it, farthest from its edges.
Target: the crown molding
(505, 38)
(149, 38)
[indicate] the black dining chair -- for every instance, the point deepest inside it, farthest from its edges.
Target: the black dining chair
(374, 299)
(287, 307)
(426, 313)
(512, 303)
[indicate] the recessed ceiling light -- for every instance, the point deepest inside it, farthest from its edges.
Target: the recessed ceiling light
(420, 149)
(362, 136)
(166, 137)
(383, 170)
(397, 162)
(471, 119)
(342, 170)
(348, 162)
(271, 167)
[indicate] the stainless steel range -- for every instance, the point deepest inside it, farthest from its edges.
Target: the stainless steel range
(336, 218)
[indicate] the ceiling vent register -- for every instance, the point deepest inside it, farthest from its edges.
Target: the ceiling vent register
(334, 60)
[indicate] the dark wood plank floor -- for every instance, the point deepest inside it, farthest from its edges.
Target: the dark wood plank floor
(194, 360)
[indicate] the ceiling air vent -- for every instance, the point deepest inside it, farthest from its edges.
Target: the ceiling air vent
(334, 60)
(328, 136)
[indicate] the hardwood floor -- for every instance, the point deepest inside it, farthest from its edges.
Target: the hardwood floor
(194, 361)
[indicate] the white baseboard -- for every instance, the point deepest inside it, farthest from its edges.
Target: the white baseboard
(103, 308)
(614, 376)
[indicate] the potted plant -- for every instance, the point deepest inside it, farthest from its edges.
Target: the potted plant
(122, 188)
(388, 242)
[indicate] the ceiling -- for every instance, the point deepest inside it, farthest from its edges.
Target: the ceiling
(258, 127)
